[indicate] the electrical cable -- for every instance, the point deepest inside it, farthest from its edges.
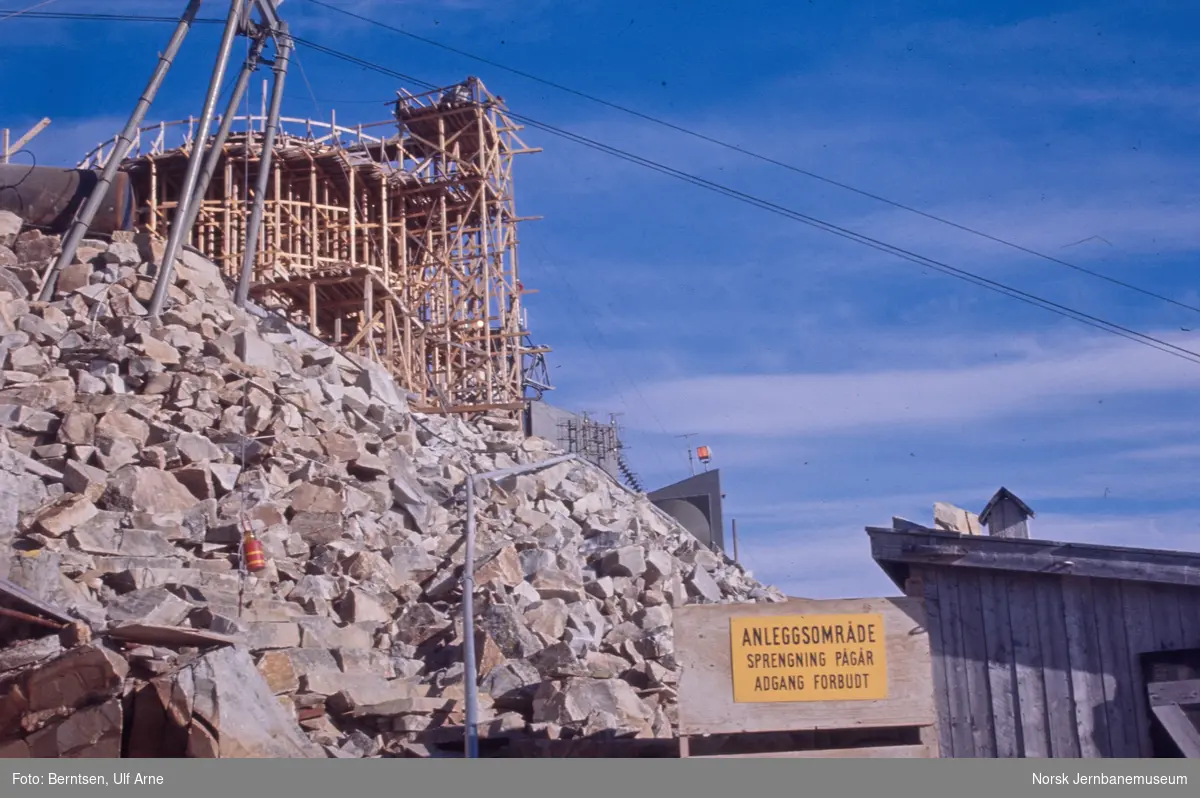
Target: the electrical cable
(590, 315)
(81, 16)
(12, 14)
(675, 127)
(758, 156)
(24, 177)
(312, 94)
(921, 260)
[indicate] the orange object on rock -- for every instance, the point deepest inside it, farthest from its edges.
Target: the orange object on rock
(252, 552)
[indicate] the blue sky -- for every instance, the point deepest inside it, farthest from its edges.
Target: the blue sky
(837, 386)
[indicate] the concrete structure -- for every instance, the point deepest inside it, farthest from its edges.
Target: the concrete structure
(597, 442)
(1044, 649)
(696, 504)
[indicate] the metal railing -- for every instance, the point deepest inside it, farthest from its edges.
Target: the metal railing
(163, 137)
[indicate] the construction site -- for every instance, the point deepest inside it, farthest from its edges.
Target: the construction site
(395, 240)
(279, 478)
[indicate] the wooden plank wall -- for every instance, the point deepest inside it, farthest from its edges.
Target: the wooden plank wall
(1046, 665)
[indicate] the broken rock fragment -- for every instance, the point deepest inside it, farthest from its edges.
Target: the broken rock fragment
(135, 452)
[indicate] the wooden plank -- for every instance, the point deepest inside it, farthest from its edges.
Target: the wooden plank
(915, 588)
(706, 705)
(9, 149)
(1027, 655)
(312, 309)
(933, 620)
(1035, 556)
(456, 409)
(1119, 683)
(1180, 727)
(1165, 620)
(976, 659)
(1185, 692)
(1056, 668)
(365, 331)
(957, 690)
(955, 668)
(880, 752)
(1087, 673)
(975, 664)
(929, 739)
(1189, 611)
(1001, 671)
(1137, 611)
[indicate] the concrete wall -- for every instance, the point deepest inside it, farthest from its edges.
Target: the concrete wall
(696, 504)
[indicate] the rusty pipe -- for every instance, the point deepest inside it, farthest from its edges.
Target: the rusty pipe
(49, 197)
(22, 616)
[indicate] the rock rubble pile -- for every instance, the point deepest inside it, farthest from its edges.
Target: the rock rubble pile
(134, 453)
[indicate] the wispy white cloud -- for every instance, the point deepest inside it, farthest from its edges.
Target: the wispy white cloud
(1115, 224)
(1178, 531)
(1172, 452)
(804, 403)
(1130, 430)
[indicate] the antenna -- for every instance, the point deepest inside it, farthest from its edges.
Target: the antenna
(615, 441)
(691, 461)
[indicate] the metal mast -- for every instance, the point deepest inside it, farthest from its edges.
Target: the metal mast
(201, 162)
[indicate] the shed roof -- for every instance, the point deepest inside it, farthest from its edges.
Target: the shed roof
(897, 550)
(1004, 493)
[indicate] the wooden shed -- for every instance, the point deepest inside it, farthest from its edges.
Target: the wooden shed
(1045, 649)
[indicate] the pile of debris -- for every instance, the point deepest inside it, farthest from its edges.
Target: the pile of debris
(135, 454)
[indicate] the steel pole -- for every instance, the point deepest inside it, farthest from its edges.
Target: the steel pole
(468, 607)
(179, 224)
(83, 220)
(217, 149)
(283, 48)
(468, 603)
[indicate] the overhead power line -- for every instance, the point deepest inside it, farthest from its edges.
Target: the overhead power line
(89, 16)
(23, 12)
(921, 260)
(756, 155)
(677, 128)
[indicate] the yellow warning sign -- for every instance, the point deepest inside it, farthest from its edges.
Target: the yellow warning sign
(808, 658)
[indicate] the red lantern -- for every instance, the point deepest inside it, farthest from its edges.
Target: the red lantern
(704, 454)
(252, 552)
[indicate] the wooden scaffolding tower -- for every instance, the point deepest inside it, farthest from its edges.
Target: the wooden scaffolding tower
(395, 240)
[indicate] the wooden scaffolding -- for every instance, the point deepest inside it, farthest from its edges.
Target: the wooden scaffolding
(395, 240)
